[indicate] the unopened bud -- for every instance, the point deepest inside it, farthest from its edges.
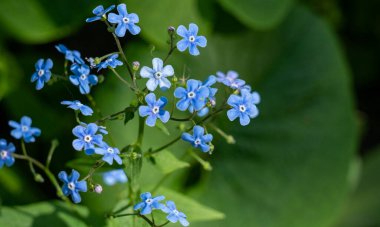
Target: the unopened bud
(135, 65)
(171, 30)
(182, 127)
(174, 79)
(207, 166)
(98, 188)
(230, 139)
(212, 147)
(38, 178)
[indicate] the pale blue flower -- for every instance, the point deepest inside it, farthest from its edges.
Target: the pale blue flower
(83, 79)
(154, 110)
(124, 21)
(243, 106)
(193, 97)
(111, 61)
(190, 39)
(157, 75)
(100, 13)
(87, 138)
(199, 139)
(109, 153)
(174, 215)
(77, 105)
(114, 176)
(24, 130)
(42, 74)
(6, 151)
(148, 203)
(71, 185)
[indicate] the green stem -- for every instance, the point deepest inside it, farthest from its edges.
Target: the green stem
(183, 119)
(121, 78)
(97, 165)
(54, 145)
(31, 167)
(167, 222)
(121, 215)
(111, 116)
(141, 131)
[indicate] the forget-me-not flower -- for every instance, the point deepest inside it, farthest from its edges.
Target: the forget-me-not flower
(211, 80)
(109, 153)
(157, 75)
(198, 139)
(149, 203)
(83, 79)
(6, 151)
(124, 21)
(77, 105)
(87, 138)
(71, 185)
(114, 176)
(100, 13)
(190, 39)
(231, 79)
(154, 110)
(111, 61)
(71, 55)
(174, 215)
(24, 130)
(42, 74)
(243, 106)
(194, 96)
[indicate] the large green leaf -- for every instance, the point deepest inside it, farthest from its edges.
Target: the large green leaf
(259, 14)
(290, 166)
(362, 210)
(154, 25)
(43, 214)
(9, 73)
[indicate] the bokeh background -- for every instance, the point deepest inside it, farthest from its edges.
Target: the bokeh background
(312, 157)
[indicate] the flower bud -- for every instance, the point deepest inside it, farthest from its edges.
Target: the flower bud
(230, 139)
(98, 188)
(212, 147)
(174, 79)
(171, 30)
(38, 178)
(135, 65)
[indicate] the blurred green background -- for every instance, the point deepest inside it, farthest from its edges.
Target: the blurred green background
(311, 158)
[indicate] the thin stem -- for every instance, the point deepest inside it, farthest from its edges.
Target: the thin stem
(121, 215)
(111, 116)
(183, 119)
(54, 145)
(167, 222)
(147, 220)
(141, 131)
(23, 148)
(122, 208)
(121, 78)
(154, 223)
(93, 104)
(96, 166)
(172, 47)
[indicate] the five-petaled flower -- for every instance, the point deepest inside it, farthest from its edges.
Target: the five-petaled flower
(83, 78)
(154, 110)
(42, 74)
(87, 138)
(149, 203)
(174, 215)
(109, 153)
(190, 39)
(77, 105)
(231, 79)
(71, 185)
(199, 139)
(157, 75)
(6, 151)
(193, 97)
(124, 21)
(71, 55)
(243, 106)
(24, 130)
(111, 61)
(114, 176)
(211, 80)
(100, 13)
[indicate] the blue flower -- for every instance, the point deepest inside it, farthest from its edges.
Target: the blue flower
(71, 55)
(83, 78)
(231, 80)
(111, 61)
(87, 138)
(194, 96)
(124, 21)
(174, 215)
(109, 153)
(154, 110)
(24, 130)
(148, 203)
(211, 80)
(101, 129)
(71, 185)
(243, 106)
(77, 105)
(114, 176)
(6, 151)
(42, 74)
(190, 39)
(198, 139)
(157, 75)
(100, 13)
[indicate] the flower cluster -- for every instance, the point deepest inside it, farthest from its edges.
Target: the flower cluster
(149, 203)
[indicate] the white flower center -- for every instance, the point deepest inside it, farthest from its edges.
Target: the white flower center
(71, 185)
(191, 94)
(125, 20)
(41, 72)
(155, 109)
(79, 104)
(158, 75)
(212, 102)
(110, 150)
(24, 128)
(175, 212)
(242, 108)
(197, 141)
(3, 154)
(192, 38)
(83, 77)
(149, 201)
(87, 138)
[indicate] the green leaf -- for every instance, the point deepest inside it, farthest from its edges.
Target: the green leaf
(43, 214)
(129, 114)
(194, 211)
(363, 208)
(176, 13)
(9, 73)
(162, 128)
(289, 167)
(166, 162)
(259, 14)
